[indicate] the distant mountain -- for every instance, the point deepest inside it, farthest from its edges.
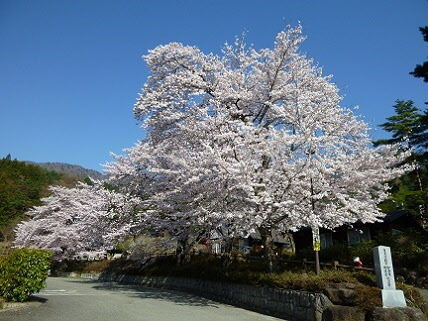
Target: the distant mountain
(70, 169)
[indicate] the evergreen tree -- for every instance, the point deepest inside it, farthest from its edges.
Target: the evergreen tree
(408, 124)
(421, 71)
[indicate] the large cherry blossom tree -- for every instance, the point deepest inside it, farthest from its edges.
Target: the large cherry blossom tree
(88, 218)
(251, 140)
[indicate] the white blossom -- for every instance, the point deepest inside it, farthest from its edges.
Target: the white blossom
(81, 219)
(250, 140)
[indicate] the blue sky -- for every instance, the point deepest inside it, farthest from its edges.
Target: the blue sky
(70, 71)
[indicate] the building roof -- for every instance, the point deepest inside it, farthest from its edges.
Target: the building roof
(392, 216)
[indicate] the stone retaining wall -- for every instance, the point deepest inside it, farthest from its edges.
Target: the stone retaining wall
(287, 304)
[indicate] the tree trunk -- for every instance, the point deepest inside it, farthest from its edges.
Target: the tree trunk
(268, 247)
(316, 246)
(226, 255)
(185, 245)
(183, 251)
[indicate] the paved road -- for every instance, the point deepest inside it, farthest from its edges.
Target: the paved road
(69, 299)
(424, 293)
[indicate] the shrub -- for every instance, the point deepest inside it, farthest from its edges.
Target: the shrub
(364, 250)
(367, 297)
(338, 252)
(23, 272)
(68, 266)
(96, 266)
(210, 267)
(409, 249)
(365, 278)
(414, 298)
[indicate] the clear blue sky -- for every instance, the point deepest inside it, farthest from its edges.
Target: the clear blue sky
(70, 71)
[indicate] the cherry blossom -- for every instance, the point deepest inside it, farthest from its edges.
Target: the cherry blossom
(81, 219)
(250, 140)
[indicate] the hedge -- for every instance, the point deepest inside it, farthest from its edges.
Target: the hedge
(23, 272)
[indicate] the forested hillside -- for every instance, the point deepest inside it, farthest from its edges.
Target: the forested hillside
(69, 169)
(21, 187)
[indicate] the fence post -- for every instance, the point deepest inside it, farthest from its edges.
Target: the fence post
(336, 265)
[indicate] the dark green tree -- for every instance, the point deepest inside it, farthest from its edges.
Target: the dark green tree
(420, 137)
(409, 124)
(421, 71)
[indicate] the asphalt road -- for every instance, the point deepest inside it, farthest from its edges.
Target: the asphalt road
(66, 299)
(424, 293)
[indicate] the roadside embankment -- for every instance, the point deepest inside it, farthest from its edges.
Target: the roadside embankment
(282, 303)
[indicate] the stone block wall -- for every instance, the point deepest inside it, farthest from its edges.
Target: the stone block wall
(287, 304)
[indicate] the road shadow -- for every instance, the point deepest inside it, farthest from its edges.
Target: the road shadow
(35, 298)
(143, 292)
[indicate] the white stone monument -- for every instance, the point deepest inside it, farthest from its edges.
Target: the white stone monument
(391, 297)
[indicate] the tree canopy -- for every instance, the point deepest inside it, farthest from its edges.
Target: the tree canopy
(251, 140)
(421, 71)
(87, 218)
(409, 124)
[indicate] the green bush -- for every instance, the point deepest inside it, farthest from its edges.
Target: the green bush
(23, 272)
(96, 266)
(368, 298)
(68, 266)
(253, 273)
(365, 278)
(338, 252)
(364, 250)
(414, 298)
(409, 249)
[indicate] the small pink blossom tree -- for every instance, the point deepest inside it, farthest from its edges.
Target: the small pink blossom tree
(82, 219)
